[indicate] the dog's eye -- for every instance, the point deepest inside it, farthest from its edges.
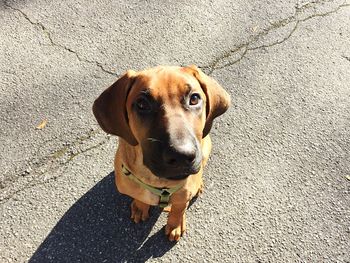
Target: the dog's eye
(143, 105)
(195, 99)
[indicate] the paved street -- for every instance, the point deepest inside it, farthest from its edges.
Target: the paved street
(277, 185)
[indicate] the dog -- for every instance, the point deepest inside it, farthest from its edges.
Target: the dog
(162, 116)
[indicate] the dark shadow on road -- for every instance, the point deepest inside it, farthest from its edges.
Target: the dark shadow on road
(97, 228)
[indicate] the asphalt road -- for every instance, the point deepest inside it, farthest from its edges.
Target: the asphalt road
(278, 181)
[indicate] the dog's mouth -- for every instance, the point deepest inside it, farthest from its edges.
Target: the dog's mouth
(173, 173)
(180, 177)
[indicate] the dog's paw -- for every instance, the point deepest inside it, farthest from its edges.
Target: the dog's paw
(174, 233)
(139, 211)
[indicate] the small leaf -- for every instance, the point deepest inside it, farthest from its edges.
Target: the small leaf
(42, 125)
(348, 177)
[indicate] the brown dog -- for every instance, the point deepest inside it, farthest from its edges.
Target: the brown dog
(163, 116)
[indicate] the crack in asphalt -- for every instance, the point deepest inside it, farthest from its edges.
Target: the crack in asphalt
(53, 162)
(247, 46)
(213, 65)
(54, 44)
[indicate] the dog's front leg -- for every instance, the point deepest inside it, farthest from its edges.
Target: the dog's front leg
(176, 224)
(139, 211)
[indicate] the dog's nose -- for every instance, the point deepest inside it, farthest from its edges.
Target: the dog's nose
(183, 154)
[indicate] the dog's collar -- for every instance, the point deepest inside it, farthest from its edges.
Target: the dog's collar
(163, 193)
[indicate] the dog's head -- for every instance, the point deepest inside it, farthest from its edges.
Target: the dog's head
(166, 111)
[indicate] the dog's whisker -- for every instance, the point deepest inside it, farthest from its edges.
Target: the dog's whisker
(152, 139)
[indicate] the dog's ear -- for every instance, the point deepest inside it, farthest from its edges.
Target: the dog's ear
(110, 108)
(218, 100)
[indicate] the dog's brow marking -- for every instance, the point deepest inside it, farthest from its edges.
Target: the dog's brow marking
(189, 88)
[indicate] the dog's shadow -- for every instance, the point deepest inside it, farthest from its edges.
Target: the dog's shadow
(97, 228)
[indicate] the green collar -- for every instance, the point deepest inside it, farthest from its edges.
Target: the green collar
(163, 193)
